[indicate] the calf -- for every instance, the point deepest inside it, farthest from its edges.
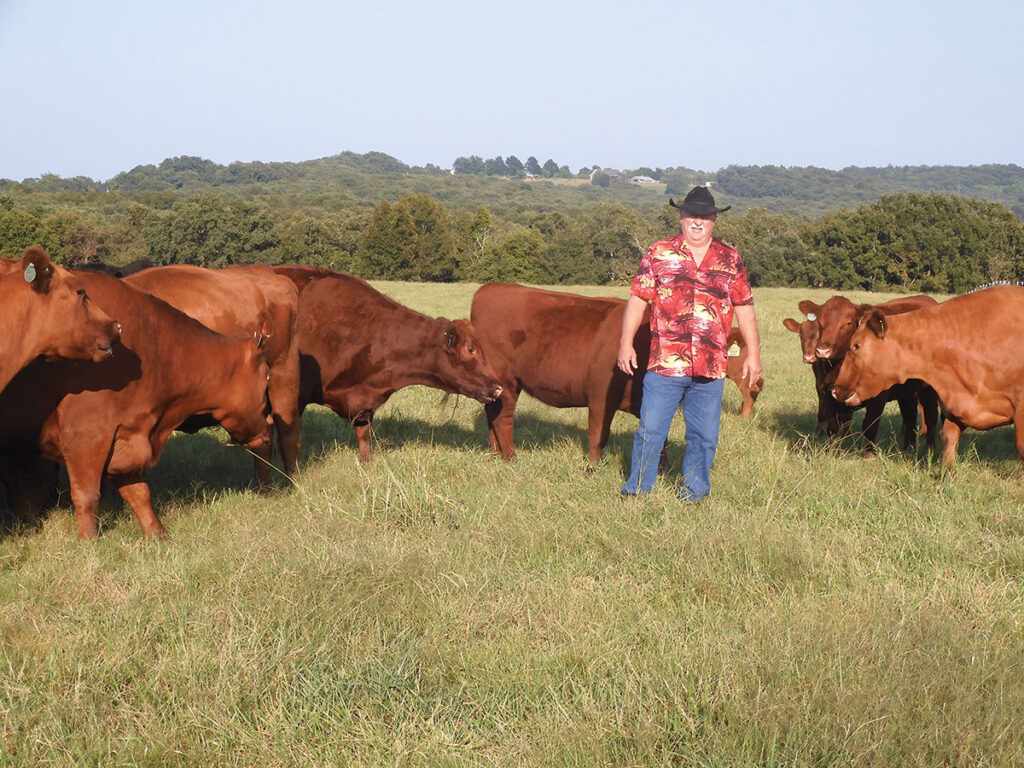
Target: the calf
(357, 347)
(833, 417)
(561, 348)
(113, 417)
(966, 348)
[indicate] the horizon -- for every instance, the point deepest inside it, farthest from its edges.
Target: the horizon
(448, 169)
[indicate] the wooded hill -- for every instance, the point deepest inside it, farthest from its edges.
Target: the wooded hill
(371, 177)
(937, 229)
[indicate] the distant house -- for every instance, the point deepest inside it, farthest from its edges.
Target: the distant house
(642, 180)
(605, 171)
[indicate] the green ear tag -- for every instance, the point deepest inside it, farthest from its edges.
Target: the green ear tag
(30, 273)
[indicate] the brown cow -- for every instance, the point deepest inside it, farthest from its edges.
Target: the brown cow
(248, 301)
(113, 417)
(561, 348)
(966, 348)
(836, 321)
(46, 311)
(357, 347)
(833, 417)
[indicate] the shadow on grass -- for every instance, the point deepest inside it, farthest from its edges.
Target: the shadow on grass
(798, 430)
(192, 468)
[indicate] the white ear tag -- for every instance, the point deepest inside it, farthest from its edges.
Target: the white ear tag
(734, 350)
(30, 273)
(811, 316)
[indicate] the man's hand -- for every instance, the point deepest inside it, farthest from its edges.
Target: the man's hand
(627, 360)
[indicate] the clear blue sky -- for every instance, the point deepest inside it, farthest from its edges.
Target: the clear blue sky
(95, 88)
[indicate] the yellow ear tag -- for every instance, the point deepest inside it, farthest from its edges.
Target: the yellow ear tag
(734, 350)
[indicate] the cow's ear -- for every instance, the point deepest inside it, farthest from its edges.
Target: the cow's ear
(862, 311)
(875, 321)
(810, 309)
(451, 336)
(791, 325)
(38, 270)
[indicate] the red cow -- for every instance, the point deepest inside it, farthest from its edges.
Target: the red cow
(833, 417)
(46, 312)
(966, 348)
(357, 347)
(248, 301)
(561, 348)
(113, 417)
(836, 321)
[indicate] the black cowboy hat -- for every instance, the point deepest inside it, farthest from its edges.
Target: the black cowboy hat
(698, 202)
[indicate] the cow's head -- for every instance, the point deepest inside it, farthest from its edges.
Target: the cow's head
(837, 318)
(244, 405)
(62, 321)
(869, 367)
(462, 367)
(808, 329)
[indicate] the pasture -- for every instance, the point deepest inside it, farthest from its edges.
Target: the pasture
(440, 607)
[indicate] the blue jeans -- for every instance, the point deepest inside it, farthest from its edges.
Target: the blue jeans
(702, 411)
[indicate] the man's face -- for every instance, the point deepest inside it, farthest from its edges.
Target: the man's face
(697, 229)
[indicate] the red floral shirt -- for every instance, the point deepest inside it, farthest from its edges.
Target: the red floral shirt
(691, 306)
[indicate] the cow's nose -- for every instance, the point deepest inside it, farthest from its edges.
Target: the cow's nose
(497, 391)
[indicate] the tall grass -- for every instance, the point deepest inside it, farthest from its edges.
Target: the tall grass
(441, 607)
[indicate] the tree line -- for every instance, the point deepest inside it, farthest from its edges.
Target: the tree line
(507, 186)
(902, 242)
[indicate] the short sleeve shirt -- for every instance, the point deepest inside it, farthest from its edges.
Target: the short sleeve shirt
(691, 306)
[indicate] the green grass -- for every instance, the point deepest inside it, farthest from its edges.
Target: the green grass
(441, 607)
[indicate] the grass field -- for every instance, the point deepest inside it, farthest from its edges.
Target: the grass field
(440, 607)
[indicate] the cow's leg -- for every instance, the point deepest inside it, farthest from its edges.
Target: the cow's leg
(289, 441)
(262, 460)
(135, 490)
(951, 429)
(599, 426)
(85, 478)
(501, 419)
(1018, 425)
(749, 396)
(282, 391)
(908, 414)
(928, 399)
(364, 432)
(872, 416)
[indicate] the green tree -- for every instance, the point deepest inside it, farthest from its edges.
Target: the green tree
(330, 241)
(469, 165)
(410, 240)
(207, 231)
(496, 167)
(19, 230)
(509, 255)
(515, 166)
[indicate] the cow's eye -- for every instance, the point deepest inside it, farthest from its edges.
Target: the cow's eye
(856, 346)
(471, 350)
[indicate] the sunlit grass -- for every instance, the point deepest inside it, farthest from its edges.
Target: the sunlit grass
(441, 607)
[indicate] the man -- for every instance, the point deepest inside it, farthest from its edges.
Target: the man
(695, 283)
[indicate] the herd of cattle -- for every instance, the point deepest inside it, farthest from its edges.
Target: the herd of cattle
(97, 370)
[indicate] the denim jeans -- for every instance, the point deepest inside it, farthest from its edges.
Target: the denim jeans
(702, 412)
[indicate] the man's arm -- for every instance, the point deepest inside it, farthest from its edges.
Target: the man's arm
(747, 322)
(631, 319)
